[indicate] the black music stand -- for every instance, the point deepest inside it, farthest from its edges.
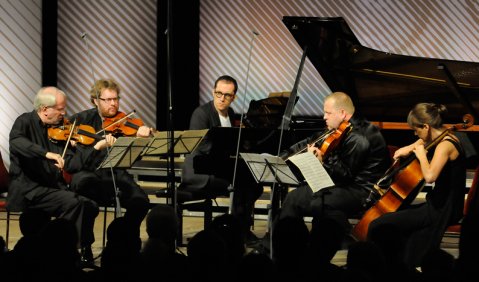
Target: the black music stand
(124, 152)
(270, 170)
(267, 169)
(184, 142)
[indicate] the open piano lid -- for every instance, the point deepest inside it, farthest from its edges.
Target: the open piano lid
(384, 86)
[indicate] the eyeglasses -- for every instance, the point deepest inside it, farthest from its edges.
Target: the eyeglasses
(109, 100)
(227, 96)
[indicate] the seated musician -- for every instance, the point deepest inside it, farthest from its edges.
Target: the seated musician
(422, 226)
(100, 184)
(37, 163)
(354, 165)
(218, 113)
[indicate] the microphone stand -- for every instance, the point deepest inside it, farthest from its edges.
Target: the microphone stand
(170, 167)
(231, 186)
(284, 126)
(115, 188)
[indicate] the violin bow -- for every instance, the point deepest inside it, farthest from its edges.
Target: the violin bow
(69, 138)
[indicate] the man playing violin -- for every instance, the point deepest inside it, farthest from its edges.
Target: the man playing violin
(37, 164)
(98, 184)
(354, 165)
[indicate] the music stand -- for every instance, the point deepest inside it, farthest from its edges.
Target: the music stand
(184, 142)
(268, 170)
(124, 152)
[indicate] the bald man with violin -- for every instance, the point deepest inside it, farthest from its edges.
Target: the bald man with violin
(38, 162)
(354, 164)
(98, 184)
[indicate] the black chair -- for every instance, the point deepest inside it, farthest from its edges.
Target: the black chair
(190, 199)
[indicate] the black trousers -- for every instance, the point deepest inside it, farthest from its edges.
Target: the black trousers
(69, 205)
(339, 203)
(99, 186)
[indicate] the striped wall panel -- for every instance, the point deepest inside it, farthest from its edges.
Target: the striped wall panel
(121, 42)
(446, 29)
(20, 62)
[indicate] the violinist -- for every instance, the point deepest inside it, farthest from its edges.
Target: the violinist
(354, 165)
(422, 226)
(36, 164)
(99, 184)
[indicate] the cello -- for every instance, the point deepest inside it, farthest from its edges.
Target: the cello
(406, 185)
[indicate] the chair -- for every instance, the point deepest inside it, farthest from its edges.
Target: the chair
(455, 229)
(190, 199)
(4, 182)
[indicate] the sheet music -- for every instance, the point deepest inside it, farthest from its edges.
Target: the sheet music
(313, 171)
(125, 151)
(258, 165)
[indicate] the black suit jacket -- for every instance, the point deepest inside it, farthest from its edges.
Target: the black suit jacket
(203, 117)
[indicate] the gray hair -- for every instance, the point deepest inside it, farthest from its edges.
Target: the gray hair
(46, 97)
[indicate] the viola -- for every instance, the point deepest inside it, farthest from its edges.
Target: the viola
(83, 134)
(406, 185)
(121, 124)
(335, 138)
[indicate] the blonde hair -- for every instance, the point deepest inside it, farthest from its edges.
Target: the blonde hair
(100, 85)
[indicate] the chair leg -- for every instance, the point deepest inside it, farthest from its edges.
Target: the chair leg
(8, 230)
(104, 226)
(208, 212)
(179, 235)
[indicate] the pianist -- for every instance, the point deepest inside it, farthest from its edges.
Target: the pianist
(218, 113)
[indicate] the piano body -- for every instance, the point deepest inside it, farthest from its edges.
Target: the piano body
(385, 86)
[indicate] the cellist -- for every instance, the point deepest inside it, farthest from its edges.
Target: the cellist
(422, 226)
(98, 184)
(354, 165)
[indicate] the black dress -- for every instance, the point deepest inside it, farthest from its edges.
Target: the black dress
(423, 225)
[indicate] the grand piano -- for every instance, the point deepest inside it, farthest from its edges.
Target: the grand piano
(383, 86)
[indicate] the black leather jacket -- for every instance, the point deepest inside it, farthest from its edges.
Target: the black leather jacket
(359, 161)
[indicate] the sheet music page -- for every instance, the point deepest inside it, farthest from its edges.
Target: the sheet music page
(262, 172)
(313, 171)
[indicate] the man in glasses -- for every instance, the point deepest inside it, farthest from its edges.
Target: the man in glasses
(218, 113)
(103, 185)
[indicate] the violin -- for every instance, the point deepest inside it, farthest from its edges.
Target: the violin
(329, 140)
(83, 134)
(121, 124)
(335, 138)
